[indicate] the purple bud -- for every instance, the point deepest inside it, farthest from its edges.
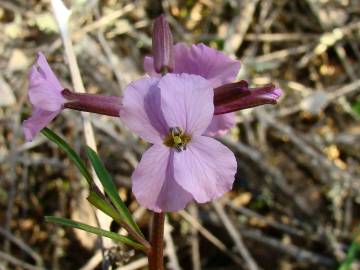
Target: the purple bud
(230, 92)
(162, 42)
(245, 97)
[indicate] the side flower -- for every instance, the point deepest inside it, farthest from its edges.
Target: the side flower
(49, 98)
(173, 113)
(45, 97)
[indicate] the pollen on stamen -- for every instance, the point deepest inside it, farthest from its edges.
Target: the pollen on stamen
(176, 138)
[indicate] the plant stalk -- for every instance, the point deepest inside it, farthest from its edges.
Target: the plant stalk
(156, 254)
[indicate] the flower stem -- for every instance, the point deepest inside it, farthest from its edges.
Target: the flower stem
(156, 254)
(101, 104)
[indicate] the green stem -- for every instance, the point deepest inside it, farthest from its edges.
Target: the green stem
(156, 254)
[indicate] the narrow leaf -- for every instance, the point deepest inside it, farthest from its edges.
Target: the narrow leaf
(103, 205)
(351, 255)
(356, 107)
(70, 152)
(110, 189)
(97, 231)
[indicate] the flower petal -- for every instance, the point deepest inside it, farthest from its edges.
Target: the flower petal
(42, 93)
(220, 124)
(44, 88)
(206, 168)
(207, 62)
(47, 73)
(141, 111)
(187, 102)
(201, 60)
(38, 120)
(153, 182)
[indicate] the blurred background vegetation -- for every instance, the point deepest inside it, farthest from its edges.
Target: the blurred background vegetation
(295, 202)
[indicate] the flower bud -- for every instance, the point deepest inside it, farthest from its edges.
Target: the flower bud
(162, 42)
(230, 92)
(237, 96)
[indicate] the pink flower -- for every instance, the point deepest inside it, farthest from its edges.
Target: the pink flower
(45, 97)
(48, 98)
(173, 113)
(208, 63)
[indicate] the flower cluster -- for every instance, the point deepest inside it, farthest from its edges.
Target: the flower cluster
(189, 96)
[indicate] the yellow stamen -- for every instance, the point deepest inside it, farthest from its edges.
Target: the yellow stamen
(177, 139)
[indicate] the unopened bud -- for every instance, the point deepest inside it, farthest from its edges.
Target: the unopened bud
(233, 97)
(230, 92)
(162, 42)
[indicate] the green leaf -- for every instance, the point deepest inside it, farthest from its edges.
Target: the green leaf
(351, 255)
(103, 205)
(70, 152)
(356, 107)
(110, 189)
(97, 231)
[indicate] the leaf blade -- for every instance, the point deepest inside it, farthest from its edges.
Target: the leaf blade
(95, 230)
(52, 136)
(103, 205)
(351, 255)
(110, 189)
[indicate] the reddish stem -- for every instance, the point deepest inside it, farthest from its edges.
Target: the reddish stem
(101, 104)
(156, 254)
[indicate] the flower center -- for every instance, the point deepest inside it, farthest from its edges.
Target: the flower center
(177, 139)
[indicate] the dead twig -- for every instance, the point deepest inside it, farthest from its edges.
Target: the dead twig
(21, 244)
(210, 237)
(170, 249)
(297, 253)
(195, 244)
(10, 259)
(276, 174)
(236, 236)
